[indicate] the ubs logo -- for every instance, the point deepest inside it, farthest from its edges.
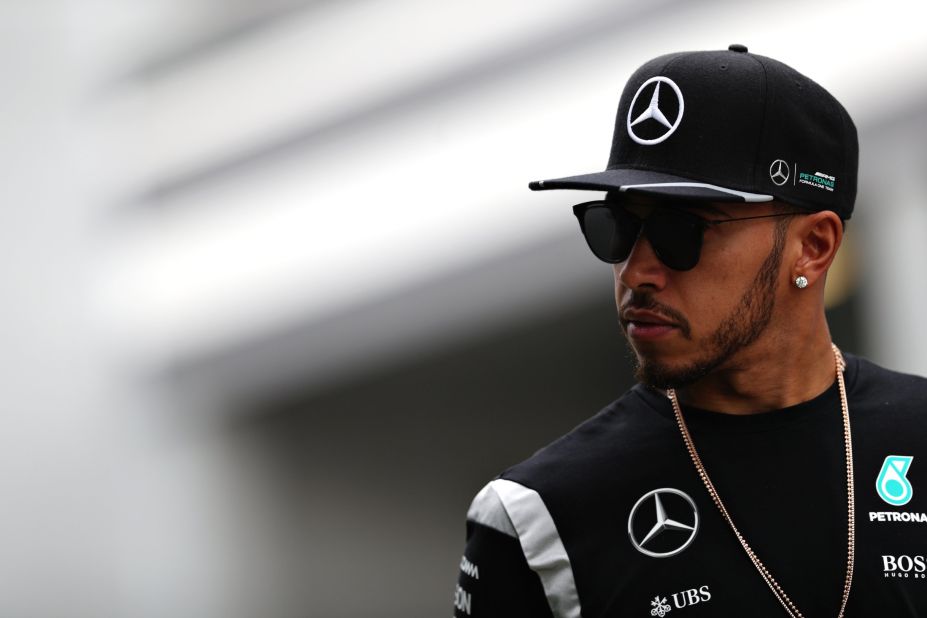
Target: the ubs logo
(685, 598)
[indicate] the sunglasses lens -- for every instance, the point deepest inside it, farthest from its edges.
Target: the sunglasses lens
(675, 237)
(610, 232)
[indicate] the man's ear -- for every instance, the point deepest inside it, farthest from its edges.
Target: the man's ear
(820, 235)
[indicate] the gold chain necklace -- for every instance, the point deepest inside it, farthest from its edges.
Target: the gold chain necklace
(777, 590)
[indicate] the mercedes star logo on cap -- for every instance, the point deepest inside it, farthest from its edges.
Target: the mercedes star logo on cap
(779, 172)
(674, 535)
(653, 111)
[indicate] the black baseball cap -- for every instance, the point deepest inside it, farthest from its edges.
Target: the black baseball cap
(728, 126)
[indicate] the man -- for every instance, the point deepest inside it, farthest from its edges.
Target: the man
(755, 470)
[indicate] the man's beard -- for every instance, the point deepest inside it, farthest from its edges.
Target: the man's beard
(738, 330)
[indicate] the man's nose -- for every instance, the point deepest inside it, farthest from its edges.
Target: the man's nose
(643, 269)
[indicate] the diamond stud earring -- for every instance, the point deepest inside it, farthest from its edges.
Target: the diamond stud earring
(801, 282)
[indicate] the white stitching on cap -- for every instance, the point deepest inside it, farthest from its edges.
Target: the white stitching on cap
(749, 197)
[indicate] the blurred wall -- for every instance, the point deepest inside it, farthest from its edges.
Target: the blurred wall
(278, 302)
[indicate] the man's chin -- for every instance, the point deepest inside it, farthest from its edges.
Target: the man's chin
(664, 376)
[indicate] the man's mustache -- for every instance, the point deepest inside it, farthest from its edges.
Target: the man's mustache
(644, 301)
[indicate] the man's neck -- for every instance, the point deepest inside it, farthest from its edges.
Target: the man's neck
(769, 375)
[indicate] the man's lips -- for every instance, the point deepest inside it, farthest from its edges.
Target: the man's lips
(641, 324)
(641, 316)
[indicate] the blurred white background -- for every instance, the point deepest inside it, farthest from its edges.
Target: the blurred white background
(277, 300)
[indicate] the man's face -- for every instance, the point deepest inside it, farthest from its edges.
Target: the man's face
(684, 325)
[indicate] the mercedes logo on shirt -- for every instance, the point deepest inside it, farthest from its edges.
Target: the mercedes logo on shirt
(653, 124)
(779, 172)
(663, 522)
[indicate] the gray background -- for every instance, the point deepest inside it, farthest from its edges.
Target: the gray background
(224, 396)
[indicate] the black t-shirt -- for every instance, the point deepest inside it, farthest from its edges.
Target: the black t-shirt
(612, 519)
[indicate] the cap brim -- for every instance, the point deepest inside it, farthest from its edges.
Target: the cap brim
(652, 183)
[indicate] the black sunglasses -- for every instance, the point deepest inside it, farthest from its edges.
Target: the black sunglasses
(675, 235)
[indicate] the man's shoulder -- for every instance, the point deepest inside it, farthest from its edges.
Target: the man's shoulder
(616, 429)
(601, 449)
(874, 383)
(602, 452)
(888, 407)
